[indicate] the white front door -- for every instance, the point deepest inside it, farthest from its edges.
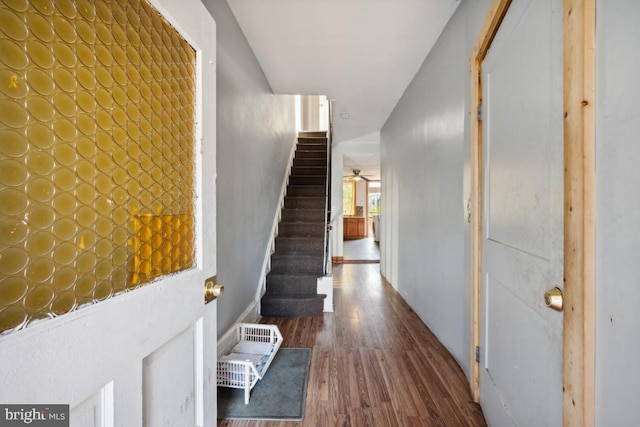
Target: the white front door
(522, 245)
(145, 357)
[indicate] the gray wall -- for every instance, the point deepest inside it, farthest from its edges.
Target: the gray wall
(424, 163)
(255, 135)
(425, 168)
(617, 214)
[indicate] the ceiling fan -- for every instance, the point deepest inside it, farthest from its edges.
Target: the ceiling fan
(357, 176)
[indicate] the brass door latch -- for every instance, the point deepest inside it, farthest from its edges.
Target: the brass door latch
(212, 289)
(554, 299)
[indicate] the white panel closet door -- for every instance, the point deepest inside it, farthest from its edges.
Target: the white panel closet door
(522, 246)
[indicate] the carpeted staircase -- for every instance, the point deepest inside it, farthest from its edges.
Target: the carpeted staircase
(297, 262)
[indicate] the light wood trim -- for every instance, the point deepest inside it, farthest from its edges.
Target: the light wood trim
(579, 250)
(366, 211)
(579, 233)
(492, 22)
(337, 259)
(476, 226)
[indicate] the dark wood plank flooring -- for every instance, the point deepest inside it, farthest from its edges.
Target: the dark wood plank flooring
(374, 363)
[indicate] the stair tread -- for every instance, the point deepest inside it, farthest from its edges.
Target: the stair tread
(291, 255)
(294, 276)
(310, 161)
(288, 244)
(269, 296)
(299, 237)
(303, 220)
(298, 222)
(318, 251)
(304, 170)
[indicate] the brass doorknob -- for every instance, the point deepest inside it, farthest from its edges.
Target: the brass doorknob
(212, 289)
(554, 299)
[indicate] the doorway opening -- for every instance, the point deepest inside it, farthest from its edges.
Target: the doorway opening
(361, 220)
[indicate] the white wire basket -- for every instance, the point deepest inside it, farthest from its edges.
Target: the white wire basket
(247, 352)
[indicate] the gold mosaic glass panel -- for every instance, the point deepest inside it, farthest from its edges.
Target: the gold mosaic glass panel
(97, 142)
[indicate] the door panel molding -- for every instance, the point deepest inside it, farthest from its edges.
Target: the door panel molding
(579, 205)
(496, 14)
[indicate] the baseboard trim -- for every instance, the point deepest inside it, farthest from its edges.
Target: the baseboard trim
(387, 282)
(266, 263)
(250, 315)
(360, 261)
(325, 287)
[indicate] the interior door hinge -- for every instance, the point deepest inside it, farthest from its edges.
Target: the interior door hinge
(477, 354)
(479, 112)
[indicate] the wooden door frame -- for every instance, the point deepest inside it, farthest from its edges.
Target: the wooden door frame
(579, 204)
(366, 211)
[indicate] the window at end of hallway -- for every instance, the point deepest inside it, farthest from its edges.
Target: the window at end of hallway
(348, 197)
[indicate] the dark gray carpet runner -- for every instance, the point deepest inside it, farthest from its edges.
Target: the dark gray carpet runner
(297, 262)
(280, 395)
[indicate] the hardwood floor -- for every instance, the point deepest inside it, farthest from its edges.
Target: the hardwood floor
(374, 363)
(361, 249)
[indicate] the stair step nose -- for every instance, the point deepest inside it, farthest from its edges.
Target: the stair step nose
(307, 179)
(310, 154)
(304, 202)
(280, 284)
(301, 161)
(303, 229)
(303, 215)
(309, 170)
(296, 264)
(312, 134)
(312, 146)
(292, 306)
(300, 245)
(305, 190)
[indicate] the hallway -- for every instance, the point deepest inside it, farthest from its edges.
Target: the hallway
(374, 363)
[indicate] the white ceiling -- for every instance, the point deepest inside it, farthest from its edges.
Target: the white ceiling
(362, 53)
(367, 163)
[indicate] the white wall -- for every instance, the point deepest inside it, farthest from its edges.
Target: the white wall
(424, 164)
(310, 112)
(361, 195)
(617, 215)
(366, 144)
(256, 132)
